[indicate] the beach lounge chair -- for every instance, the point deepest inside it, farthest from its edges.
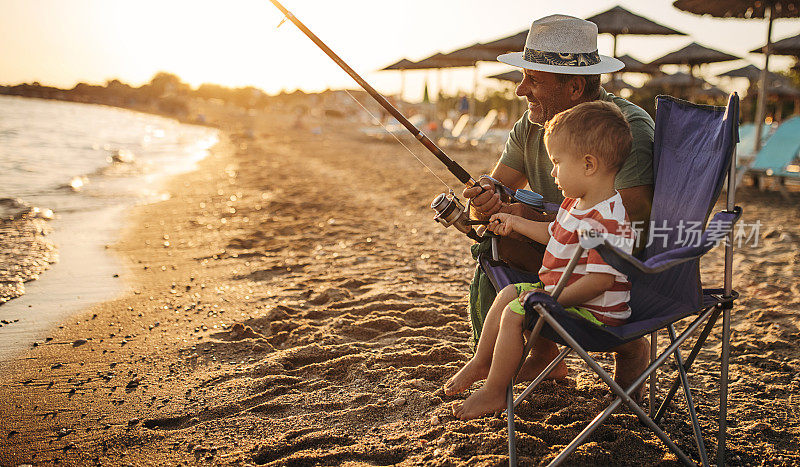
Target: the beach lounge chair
(693, 155)
(482, 127)
(745, 149)
(393, 129)
(460, 127)
(776, 158)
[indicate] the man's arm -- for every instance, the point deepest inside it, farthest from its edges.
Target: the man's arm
(509, 177)
(637, 201)
(487, 203)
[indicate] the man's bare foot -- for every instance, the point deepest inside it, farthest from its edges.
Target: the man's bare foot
(480, 403)
(534, 365)
(630, 361)
(468, 374)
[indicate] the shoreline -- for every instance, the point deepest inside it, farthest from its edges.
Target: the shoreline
(293, 303)
(85, 274)
(80, 271)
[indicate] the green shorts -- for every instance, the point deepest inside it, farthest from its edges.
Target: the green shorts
(516, 304)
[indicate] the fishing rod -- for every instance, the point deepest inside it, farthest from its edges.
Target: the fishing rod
(449, 209)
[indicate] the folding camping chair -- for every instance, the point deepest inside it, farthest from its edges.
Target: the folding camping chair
(694, 151)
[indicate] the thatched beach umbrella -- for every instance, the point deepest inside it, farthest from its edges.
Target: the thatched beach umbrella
(692, 55)
(776, 84)
(402, 65)
(513, 76)
(677, 80)
(782, 87)
(475, 52)
(440, 60)
(633, 65)
(618, 21)
(512, 43)
(762, 9)
(751, 72)
(788, 46)
(679, 84)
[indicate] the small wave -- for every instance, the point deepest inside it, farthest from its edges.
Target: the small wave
(121, 156)
(122, 169)
(25, 250)
(76, 184)
(14, 208)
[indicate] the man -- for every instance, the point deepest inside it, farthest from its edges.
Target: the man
(561, 69)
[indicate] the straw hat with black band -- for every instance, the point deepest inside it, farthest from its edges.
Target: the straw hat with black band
(562, 44)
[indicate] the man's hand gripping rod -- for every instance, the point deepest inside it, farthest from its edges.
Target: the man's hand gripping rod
(449, 210)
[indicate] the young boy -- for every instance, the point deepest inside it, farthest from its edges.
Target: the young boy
(587, 145)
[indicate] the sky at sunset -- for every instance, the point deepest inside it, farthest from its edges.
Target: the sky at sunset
(237, 42)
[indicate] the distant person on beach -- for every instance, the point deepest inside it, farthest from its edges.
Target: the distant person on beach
(587, 145)
(561, 69)
(463, 105)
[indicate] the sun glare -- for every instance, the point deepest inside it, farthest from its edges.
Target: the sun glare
(240, 44)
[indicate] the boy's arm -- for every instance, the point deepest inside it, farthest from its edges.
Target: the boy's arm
(586, 288)
(503, 224)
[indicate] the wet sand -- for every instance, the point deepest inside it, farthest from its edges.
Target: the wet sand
(293, 303)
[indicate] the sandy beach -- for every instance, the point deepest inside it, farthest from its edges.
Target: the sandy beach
(293, 303)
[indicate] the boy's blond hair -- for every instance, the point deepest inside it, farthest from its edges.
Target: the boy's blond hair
(597, 128)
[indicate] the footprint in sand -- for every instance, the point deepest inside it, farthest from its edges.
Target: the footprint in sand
(328, 448)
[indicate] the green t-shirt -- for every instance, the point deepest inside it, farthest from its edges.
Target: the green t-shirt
(525, 151)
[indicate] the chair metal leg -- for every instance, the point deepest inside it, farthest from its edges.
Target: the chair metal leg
(653, 377)
(622, 395)
(726, 319)
(512, 444)
(564, 352)
(701, 339)
(698, 433)
(723, 385)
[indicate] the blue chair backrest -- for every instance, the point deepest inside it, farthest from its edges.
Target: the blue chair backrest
(692, 152)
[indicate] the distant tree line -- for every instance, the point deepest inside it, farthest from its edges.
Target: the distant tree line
(165, 93)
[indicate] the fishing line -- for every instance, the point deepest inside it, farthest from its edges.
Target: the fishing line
(453, 166)
(398, 140)
(449, 210)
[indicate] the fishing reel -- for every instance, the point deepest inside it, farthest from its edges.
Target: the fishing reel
(450, 211)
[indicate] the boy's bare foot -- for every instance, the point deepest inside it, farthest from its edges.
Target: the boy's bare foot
(480, 403)
(630, 361)
(534, 365)
(468, 374)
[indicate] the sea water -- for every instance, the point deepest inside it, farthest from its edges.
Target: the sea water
(79, 167)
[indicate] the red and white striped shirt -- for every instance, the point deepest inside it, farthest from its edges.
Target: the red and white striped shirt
(611, 307)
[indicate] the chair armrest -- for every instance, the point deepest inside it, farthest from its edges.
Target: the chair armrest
(719, 226)
(551, 207)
